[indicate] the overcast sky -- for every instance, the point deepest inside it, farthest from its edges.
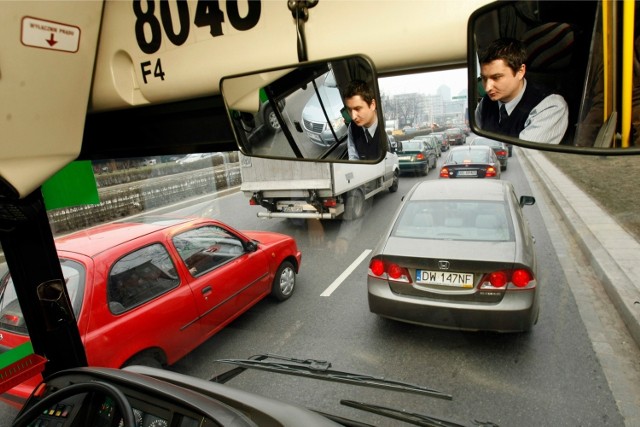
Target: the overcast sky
(426, 83)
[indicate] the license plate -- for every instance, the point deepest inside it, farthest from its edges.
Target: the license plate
(444, 278)
(292, 209)
(467, 173)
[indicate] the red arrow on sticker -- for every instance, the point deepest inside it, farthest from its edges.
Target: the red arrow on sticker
(51, 41)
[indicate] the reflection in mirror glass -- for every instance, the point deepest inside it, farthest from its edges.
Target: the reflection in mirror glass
(537, 74)
(306, 111)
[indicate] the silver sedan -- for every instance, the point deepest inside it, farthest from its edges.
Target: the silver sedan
(458, 255)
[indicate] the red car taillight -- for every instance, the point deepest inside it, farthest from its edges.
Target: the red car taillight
(491, 171)
(520, 278)
(419, 156)
(444, 173)
(501, 153)
(388, 271)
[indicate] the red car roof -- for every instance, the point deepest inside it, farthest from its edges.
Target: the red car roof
(98, 239)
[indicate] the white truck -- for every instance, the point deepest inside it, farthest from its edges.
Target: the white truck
(315, 190)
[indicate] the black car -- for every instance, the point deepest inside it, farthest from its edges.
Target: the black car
(472, 161)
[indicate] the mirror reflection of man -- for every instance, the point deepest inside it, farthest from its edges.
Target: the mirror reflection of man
(363, 134)
(514, 106)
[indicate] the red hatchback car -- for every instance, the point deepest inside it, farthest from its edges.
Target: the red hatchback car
(158, 288)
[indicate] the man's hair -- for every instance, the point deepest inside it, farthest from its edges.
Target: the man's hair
(359, 87)
(513, 52)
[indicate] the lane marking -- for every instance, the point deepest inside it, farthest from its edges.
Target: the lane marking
(332, 287)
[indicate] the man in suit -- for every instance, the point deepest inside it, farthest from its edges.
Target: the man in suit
(514, 106)
(364, 132)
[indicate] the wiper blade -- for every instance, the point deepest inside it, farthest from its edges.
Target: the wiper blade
(319, 369)
(401, 415)
(410, 417)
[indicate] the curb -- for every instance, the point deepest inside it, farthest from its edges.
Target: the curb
(613, 253)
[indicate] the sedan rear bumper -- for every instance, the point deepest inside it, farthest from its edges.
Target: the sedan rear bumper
(516, 312)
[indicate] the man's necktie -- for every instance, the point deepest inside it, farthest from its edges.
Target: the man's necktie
(367, 135)
(503, 114)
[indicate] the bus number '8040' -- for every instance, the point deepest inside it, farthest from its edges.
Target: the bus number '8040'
(208, 14)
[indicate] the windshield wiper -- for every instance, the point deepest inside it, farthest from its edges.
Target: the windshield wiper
(398, 414)
(319, 369)
(410, 417)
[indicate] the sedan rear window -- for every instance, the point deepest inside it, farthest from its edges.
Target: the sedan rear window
(455, 220)
(473, 156)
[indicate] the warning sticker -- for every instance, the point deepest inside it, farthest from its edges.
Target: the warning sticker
(49, 35)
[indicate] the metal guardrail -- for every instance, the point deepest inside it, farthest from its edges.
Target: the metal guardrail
(128, 199)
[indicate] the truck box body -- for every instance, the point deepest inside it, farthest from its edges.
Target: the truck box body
(312, 189)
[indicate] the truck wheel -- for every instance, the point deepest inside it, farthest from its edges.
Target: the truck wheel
(284, 282)
(394, 184)
(270, 120)
(354, 205)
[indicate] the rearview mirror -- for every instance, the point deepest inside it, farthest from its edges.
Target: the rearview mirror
(300, 111)
(544, 60)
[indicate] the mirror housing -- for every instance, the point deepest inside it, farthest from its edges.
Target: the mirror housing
(563, 57)
(298, 112)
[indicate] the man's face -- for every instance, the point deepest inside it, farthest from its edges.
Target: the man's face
(500, 82)
(361, 113)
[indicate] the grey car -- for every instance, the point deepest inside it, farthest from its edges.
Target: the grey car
(457, 255)
(326, 103)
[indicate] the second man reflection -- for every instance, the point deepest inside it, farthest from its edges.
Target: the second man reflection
(363, 132)
(514, 106)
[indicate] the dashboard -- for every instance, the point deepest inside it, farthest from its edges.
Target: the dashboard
(139, 396)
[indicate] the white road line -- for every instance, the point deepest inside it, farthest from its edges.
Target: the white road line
(332, 287)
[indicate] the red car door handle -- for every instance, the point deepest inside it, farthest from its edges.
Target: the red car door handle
(206, 290)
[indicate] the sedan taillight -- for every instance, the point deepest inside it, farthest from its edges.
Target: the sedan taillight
(444, 172)
(520, 278)
(491, 171)
(388, 271)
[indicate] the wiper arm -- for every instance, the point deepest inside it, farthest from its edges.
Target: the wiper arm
(398, 414)
(319, 369)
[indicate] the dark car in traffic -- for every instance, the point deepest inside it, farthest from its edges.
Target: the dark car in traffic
(471, 161)
(455, 136)
(415, 155)
(444, 142)
(500, 148)
(432, 142)
(458, 255)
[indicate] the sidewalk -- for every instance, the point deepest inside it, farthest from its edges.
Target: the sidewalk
(613, 253)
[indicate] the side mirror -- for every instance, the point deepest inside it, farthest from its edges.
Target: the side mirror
(527, 200)
(298, 112)
(564, 58)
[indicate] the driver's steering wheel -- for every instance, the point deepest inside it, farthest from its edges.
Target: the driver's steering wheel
(92, 386)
